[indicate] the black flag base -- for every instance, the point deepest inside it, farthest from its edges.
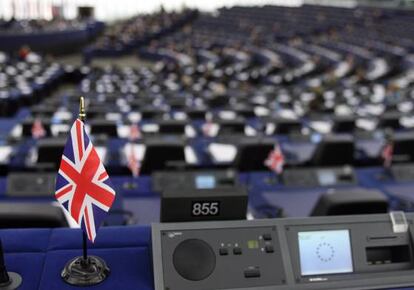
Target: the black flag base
(81, 272)
(13, 282)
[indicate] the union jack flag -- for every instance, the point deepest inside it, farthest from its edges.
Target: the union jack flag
(275, 161)
(133, 163)
(38, 131)
(135, 132)
(83, 187)
(387, 153)
(208, 128)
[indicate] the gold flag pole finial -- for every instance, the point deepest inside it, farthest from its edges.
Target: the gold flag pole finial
(82, 114)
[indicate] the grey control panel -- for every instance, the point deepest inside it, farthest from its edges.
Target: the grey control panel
(347, 252)
(332, 176)
(201, 179)
(403, 172)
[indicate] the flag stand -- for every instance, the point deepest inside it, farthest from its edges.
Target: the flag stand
(387, 156)
(8, 280)
(85, 270)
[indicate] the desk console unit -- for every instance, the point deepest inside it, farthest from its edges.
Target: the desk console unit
(346, 252)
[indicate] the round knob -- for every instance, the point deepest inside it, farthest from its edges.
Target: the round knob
(194, 259)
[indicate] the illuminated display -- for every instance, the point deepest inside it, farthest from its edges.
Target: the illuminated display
(325, 252)
(326, 177)
(253, 244)
(205, 182)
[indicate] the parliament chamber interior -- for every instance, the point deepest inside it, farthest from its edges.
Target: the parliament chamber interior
(186, 145)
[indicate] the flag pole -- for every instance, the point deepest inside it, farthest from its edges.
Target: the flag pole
(82, 113)
(82, 117)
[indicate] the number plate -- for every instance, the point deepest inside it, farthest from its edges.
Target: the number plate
(205, 208)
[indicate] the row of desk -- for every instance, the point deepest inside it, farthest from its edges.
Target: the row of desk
(52, 41)
(140, 197)
(202, 152)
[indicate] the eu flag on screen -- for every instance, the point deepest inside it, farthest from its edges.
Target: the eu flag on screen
(83, 186)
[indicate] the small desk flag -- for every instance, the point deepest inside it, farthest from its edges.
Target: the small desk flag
(275, 161)
(207, 128)
(133, 163)
(387, 153)
(135, 132)
(83, 186)
(38, 131)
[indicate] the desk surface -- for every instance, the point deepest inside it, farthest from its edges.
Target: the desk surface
(39, 255)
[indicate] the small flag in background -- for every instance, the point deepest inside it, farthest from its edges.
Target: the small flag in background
(208, 128)
(83, 187)
(38, 131)
(275, 161)
(387, 153)
(133, 163)
(135, 132)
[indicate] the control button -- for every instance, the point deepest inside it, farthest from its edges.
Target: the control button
(237, 251)
(267, 237)
(223, 251)
(269, 249)
(252, 273)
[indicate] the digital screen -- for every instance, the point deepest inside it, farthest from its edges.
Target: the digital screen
(326, 177)
(205, 182)
(325, 252)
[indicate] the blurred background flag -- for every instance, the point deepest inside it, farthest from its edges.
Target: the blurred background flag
(275, 161)
(38, 131)
(387, 153)
(208, 128)
(135, 132)
(133, 162)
